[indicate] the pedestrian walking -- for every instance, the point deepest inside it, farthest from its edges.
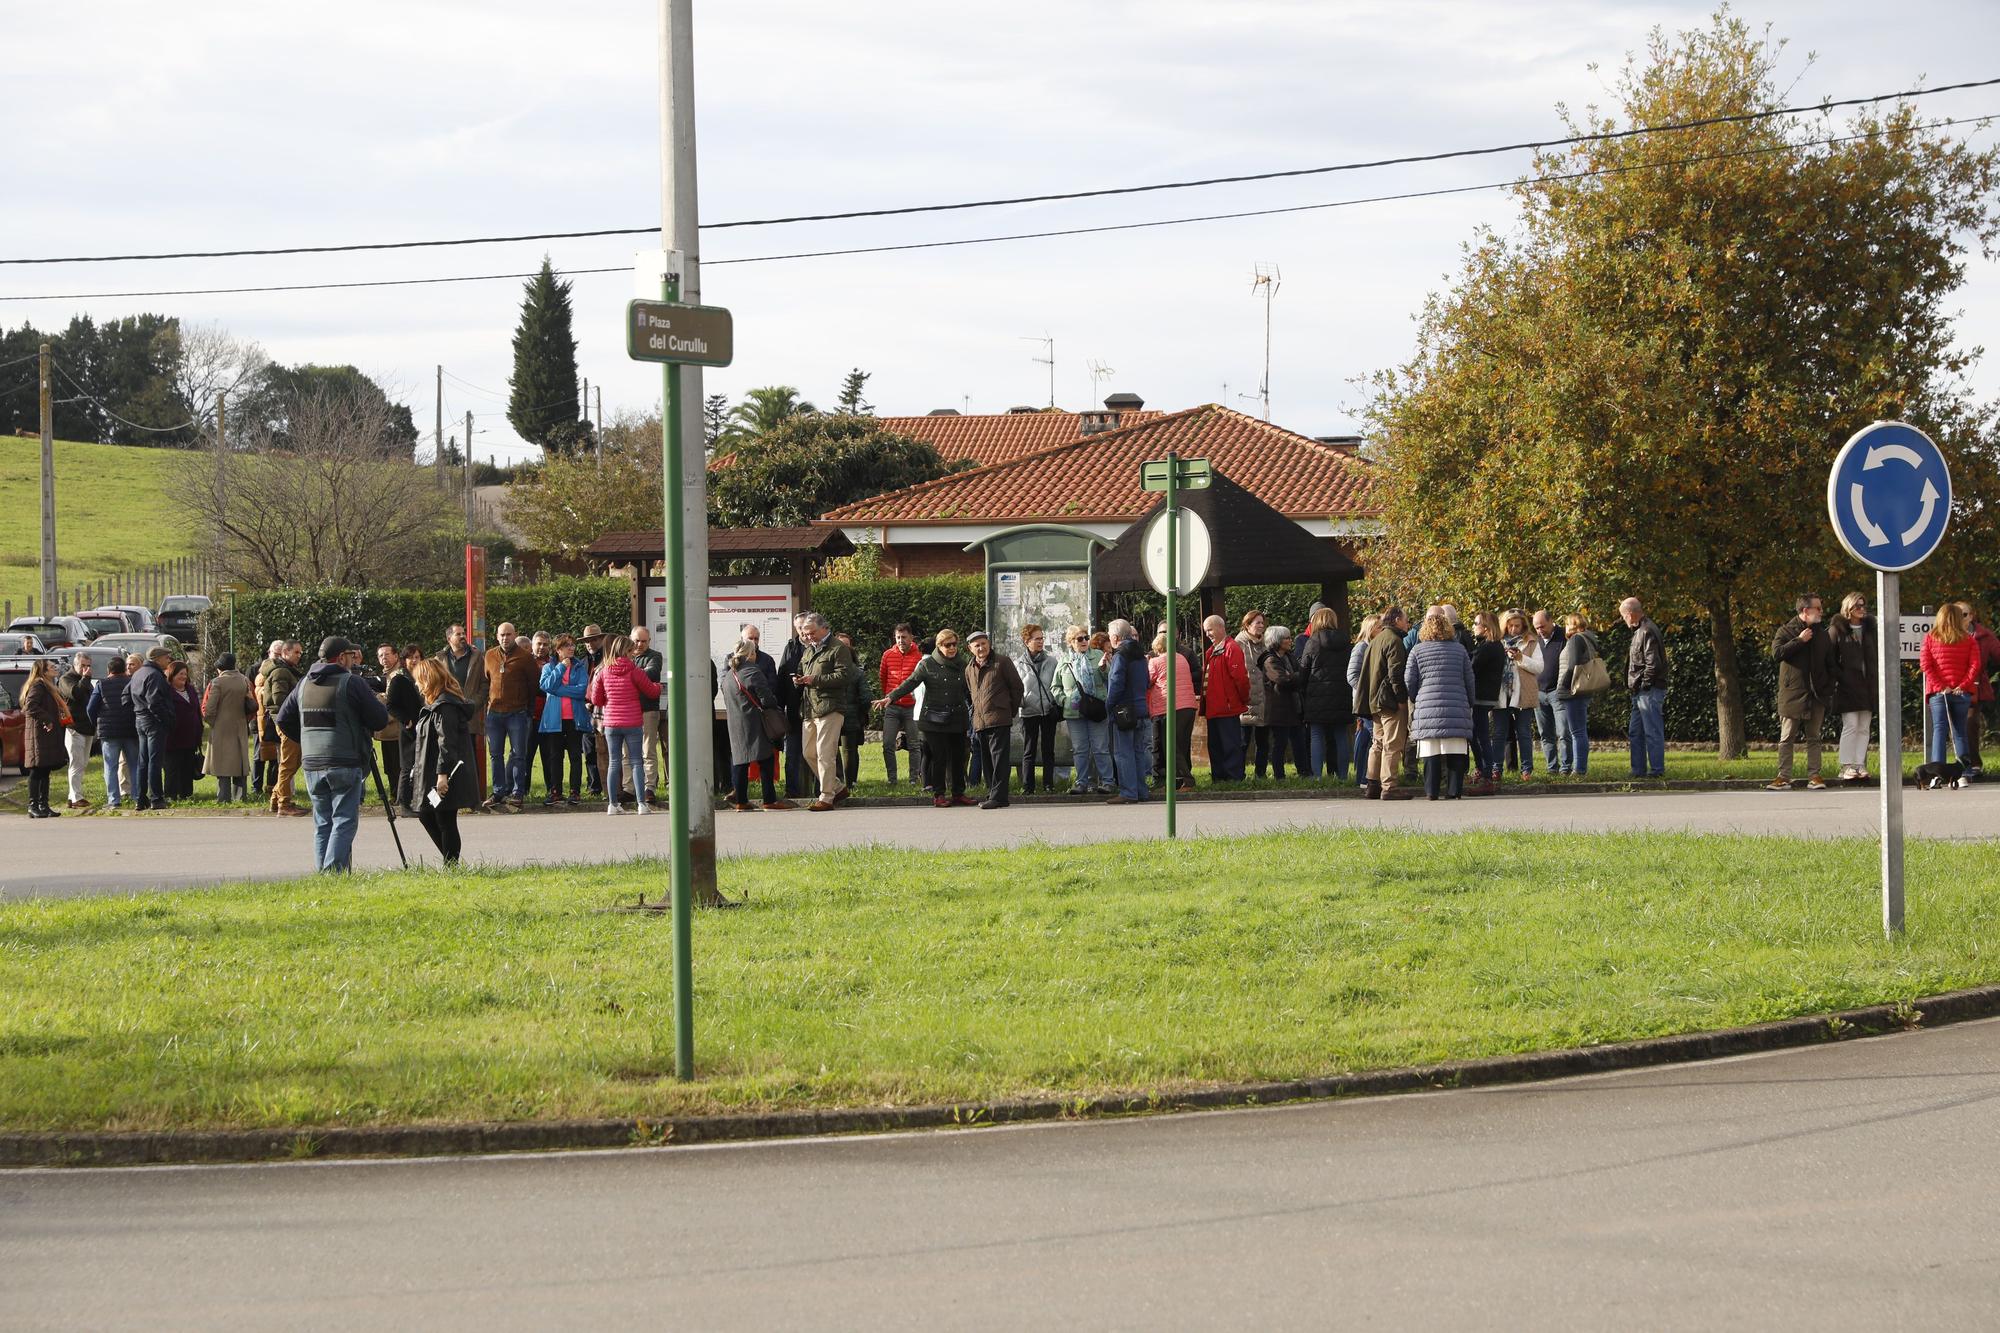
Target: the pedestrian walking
(228, 709)
(619, 693)
(76, 687)
(43, 750)
(442, 756)
(1438, 676)
(1951, 666)
(945, 716)
(1127, 682)
(333, 716)
(1081, 684)
(1856, 677)
(564, 726)
(1805, 652)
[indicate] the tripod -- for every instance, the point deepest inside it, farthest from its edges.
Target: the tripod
(389, 810)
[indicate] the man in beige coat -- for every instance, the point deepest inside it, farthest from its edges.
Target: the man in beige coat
(228, 707)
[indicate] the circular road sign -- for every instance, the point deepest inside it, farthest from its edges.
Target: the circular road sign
(1193, 551)
(1889, 496)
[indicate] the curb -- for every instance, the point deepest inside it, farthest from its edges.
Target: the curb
(265, 1145)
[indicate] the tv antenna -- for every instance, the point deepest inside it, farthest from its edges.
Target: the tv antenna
(1048, 358)
(1264, 282)
(1099, 373)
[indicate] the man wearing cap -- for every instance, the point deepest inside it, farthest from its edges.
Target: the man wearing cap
(334, 716)
(995, 685)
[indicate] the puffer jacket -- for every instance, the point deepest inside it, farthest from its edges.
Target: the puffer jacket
(111, 709)
(1439, 677)
(1038, 683)
(620, 691)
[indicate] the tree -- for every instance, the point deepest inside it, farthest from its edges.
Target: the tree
(807, 465)
(542, 406)
(335, 507)
(1640, 390)
(714, 419)
(215, 367)
(851, 390)
(565, 503)
(762, 411)
(278, 393)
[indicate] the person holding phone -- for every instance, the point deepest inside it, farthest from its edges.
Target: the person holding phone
(444, 765)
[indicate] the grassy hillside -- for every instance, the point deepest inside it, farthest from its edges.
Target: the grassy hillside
(111, 514)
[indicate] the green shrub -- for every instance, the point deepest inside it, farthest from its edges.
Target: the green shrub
(870, 609)
(373, 616)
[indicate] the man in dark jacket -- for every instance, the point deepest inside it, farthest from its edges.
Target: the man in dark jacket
(995, 684)
(789, 697)
(110, 711)
(468, 667)
(74, 685)
(1646, 678)
(1550, 636)
(153, 714)
(1382, 694)
(334, 716)
(1127, 682)
(1804, 651)
(650, 663)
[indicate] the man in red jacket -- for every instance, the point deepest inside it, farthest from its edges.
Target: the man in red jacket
(899, 714)
(1225, 698)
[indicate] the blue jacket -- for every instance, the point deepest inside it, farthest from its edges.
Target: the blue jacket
(110, 707)
(152, 700)
(1439, 675)
(1128, 680)
(557, 686)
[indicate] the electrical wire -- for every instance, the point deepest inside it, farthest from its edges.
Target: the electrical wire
(1602, 136)
(1404, 196)
(21, 361)
(89, 397)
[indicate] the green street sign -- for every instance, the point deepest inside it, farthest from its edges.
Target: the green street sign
(682, 335)
(1193, 474)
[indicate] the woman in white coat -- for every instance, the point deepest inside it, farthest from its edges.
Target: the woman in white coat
(1513, 722)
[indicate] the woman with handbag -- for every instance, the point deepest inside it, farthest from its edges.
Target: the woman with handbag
(1081, 685)
(1581, 674)
(945, 719)
(757, 725)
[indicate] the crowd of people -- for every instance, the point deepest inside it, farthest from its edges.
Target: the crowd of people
(1434, 699)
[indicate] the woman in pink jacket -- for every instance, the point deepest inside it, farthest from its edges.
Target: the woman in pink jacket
(616, 692)
(1184, 709)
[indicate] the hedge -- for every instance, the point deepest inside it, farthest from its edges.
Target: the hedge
(870, 609)
(372, 616)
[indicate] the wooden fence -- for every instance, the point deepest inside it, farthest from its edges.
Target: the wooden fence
(145, 585)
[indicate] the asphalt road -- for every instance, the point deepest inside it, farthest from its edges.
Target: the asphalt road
(1850, 1186)
(76, 857)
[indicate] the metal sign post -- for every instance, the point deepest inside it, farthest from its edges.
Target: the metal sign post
(1172, 579)
(1889, 496)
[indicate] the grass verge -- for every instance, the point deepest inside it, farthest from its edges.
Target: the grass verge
(885, 977)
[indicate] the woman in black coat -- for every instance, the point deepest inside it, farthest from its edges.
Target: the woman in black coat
(1326, 697)
(1855, 673)
(443, 764)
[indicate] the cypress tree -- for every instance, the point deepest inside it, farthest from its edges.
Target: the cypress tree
(542, 406)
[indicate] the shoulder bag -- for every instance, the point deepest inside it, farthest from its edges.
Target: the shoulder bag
(1590, 676)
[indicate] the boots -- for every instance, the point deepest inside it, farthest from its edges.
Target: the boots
(1372, 791)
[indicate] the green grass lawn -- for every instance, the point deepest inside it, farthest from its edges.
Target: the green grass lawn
(1607, 765)
(111, 513)
(872, 977)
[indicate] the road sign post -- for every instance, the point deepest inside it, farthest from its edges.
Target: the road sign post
(1170, 475)
(1889, 497)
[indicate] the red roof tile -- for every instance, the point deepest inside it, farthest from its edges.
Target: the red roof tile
(1004, 437)
(1097, 479)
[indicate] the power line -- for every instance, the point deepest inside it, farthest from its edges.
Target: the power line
(89, 397)
(1603, 136)
(1026, 235)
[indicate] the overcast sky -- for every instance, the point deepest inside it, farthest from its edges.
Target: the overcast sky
(150, 127)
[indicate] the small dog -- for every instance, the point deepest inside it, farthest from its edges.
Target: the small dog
(1932, 777)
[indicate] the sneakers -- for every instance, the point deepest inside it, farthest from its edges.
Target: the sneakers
(614, 809)
(1818, 783)
(1779, 784)
(1964, 780)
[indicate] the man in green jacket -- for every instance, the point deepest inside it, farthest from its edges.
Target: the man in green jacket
(1380, 693)
(826, 670)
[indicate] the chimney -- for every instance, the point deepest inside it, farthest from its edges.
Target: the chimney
(942, 412)
(1095, 423)
(1124, 402)
(1022, 411)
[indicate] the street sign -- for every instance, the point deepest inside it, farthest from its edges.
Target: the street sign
(1193, 556)
(1910, 635)
(232, 589)
(683, 335)
(1889, 496)
(1192, 474)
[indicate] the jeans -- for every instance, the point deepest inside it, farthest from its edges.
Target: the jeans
(626, 755)
(899, 720)
(1574, 733)
(1225, 749)
(1512, 728)
(1649, 733)
(1129, 756)
(1549, 719)
(1330, 748)
(149, 778)
(1948, 716)
(336, 795)
(116, 752)
(1090, 751)
(1364, 741)
(1482, 757)
(507, 745)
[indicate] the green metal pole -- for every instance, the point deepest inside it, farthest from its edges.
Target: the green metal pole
(1173, 653)
(681, 864)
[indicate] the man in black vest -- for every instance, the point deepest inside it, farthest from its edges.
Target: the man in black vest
(334, 716)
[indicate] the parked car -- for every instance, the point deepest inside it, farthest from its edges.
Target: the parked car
(13, 722)
(54, 631)
(98, 623)
(180, 615)
(20, 645)
(137, 619)
(140, 643)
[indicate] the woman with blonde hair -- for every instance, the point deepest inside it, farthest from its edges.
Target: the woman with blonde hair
(1364, 725)
(1573, 709)
(442, 766)
(1439, 677)
(1514, 719)
(1950, 662)
(1856, 671)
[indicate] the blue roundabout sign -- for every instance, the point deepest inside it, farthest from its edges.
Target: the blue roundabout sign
(1889, 496)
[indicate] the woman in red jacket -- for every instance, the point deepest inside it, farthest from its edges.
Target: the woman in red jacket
(617, 690)
(1951, 666)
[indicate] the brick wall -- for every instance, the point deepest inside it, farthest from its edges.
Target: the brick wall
(916, 560)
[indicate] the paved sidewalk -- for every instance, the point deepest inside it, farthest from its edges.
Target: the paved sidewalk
(78, 857)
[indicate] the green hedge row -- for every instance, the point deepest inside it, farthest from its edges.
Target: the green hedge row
(375, 616)
(870, 609)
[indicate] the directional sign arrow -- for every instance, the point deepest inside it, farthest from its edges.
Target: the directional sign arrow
(1882, 453)
(1931, 497)
(1876, 536)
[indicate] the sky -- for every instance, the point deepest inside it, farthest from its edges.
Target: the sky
(231, 124)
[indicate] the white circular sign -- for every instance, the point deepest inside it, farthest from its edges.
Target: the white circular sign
(1193, 553)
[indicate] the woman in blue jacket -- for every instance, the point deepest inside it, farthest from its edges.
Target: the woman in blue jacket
(565, 719)
(1127, 683)
(1439, 676)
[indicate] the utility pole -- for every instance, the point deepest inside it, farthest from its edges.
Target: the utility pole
(600, 419)
(468, 478)
(48, 491)
(437, 439)
(691, 758)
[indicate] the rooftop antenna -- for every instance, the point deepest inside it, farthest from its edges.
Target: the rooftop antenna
(1048, 359)
(1099, 373)
(1264, 282)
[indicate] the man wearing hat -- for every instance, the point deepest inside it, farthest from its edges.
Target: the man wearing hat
(334, 716)
(994, 683)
